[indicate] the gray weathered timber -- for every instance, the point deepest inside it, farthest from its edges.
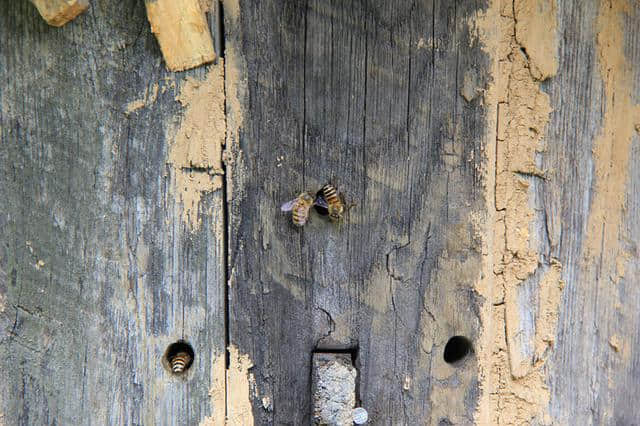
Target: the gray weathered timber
(365, 95)
(591, 381)
(98, 272)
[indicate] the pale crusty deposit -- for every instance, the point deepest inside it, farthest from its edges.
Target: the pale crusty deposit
(513, 382)
(333, 389)
(231, 389)
(241, 387)
(196, 148)
(536, 33)
(217, 393)
(612, 148)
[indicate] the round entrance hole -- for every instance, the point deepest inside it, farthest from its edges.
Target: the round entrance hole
(178, 357)
(456, 349)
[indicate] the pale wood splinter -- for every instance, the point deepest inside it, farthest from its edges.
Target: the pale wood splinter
(59, 12)
(182, 31)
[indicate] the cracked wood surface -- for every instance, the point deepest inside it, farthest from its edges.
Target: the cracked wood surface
(98, 272)
(366, 95)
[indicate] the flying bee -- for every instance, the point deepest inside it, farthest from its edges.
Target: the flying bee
(299, 208)
(331, 201)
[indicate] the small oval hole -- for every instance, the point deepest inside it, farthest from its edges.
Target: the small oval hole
(456, 349)
(178, 357)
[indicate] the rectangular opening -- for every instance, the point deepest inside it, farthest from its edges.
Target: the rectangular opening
(332, 377)
(353, 351)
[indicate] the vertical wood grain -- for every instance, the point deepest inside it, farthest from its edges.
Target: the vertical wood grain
(365, 95)
(98, 272)
(595, 369)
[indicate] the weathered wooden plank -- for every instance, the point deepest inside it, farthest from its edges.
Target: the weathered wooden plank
(366, 95)
(98, 271)
(593, 151)
(467, 179)
(560, 234)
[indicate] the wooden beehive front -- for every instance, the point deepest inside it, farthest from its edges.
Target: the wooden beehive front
(486, 152)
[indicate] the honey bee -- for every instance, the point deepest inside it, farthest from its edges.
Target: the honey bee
(299, 208)
(180, 362)
(328, 198)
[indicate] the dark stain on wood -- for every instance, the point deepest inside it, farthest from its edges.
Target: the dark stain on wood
(365, 95)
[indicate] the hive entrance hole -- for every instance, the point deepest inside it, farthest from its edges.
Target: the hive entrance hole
(456, 349)
(178, 357)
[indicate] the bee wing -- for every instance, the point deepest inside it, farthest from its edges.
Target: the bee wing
(320, 201)
(288, 206)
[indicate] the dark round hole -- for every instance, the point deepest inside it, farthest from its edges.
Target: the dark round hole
(178, 357)
(322, 211)
(456, 349)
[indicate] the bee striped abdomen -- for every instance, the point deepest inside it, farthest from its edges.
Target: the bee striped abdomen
(180, 361)
(300, 210)
(330, 194)
(336, 207)
(300, 215)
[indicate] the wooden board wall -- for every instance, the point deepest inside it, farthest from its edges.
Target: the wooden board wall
(594, 151)
(398, 105)
(365, 95)
(98, 272)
